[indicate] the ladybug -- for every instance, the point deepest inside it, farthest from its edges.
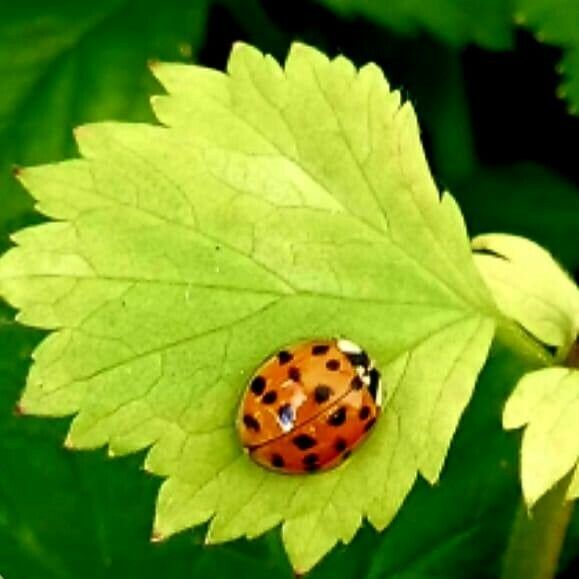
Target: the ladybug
(308, 406)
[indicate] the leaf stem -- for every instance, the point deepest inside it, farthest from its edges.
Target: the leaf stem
(537, 536)
(515, 338)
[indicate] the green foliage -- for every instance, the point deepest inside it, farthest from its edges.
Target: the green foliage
(68, 514)
(489, 24)
(265, 204)
(456, 22)
(51, 52)
(557, 22)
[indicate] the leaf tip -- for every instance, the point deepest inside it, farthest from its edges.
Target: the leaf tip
(533, 491)
(68, 444)
(153, 64)
(17, 171)
(78, 132)
(157, 536)
(18, 410)
(242, 52)
(529, 501)
(240, 46)
(300, 51)
(561, 92)
(147, 467)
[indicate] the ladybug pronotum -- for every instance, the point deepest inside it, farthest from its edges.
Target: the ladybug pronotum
(308, 406)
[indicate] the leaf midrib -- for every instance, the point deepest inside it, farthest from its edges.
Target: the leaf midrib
(240, 289)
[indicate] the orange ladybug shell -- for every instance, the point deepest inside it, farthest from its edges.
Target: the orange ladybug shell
(309, 406)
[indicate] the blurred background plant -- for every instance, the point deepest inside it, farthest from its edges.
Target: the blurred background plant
(496, 88)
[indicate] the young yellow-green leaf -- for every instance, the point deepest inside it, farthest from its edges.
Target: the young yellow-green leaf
(530, 287)
(547, 401)
(456, 22)
(556, 22)
(274, 205)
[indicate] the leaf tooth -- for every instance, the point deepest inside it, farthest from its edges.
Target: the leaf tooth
(157, 536)
(153, 64)
(68, 443)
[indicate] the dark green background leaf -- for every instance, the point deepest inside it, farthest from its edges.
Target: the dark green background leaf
(62, 64)
(50, 82)
(455, 21)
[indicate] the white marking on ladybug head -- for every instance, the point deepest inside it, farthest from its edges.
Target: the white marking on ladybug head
(348, 347)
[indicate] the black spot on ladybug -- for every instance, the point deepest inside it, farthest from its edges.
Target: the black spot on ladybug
(294, 374)
(358, 359)
(312, 467)
(258, 385)
(269, 397)
(338, 417)
(311, 458)
(277, 460)
(340, 444)
(364, 412)
(284, 357)
(320, 349)
(333, 364)
(304, 441)
(322, 393)
(374, 383)
(369, 424)
(357, 383)
(251, 422)
(346, 454)
(286, 415)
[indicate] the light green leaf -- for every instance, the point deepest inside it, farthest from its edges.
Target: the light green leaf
(456, 22)
(530, 287)
(274, 205)
(547, 401)
(556, 22)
